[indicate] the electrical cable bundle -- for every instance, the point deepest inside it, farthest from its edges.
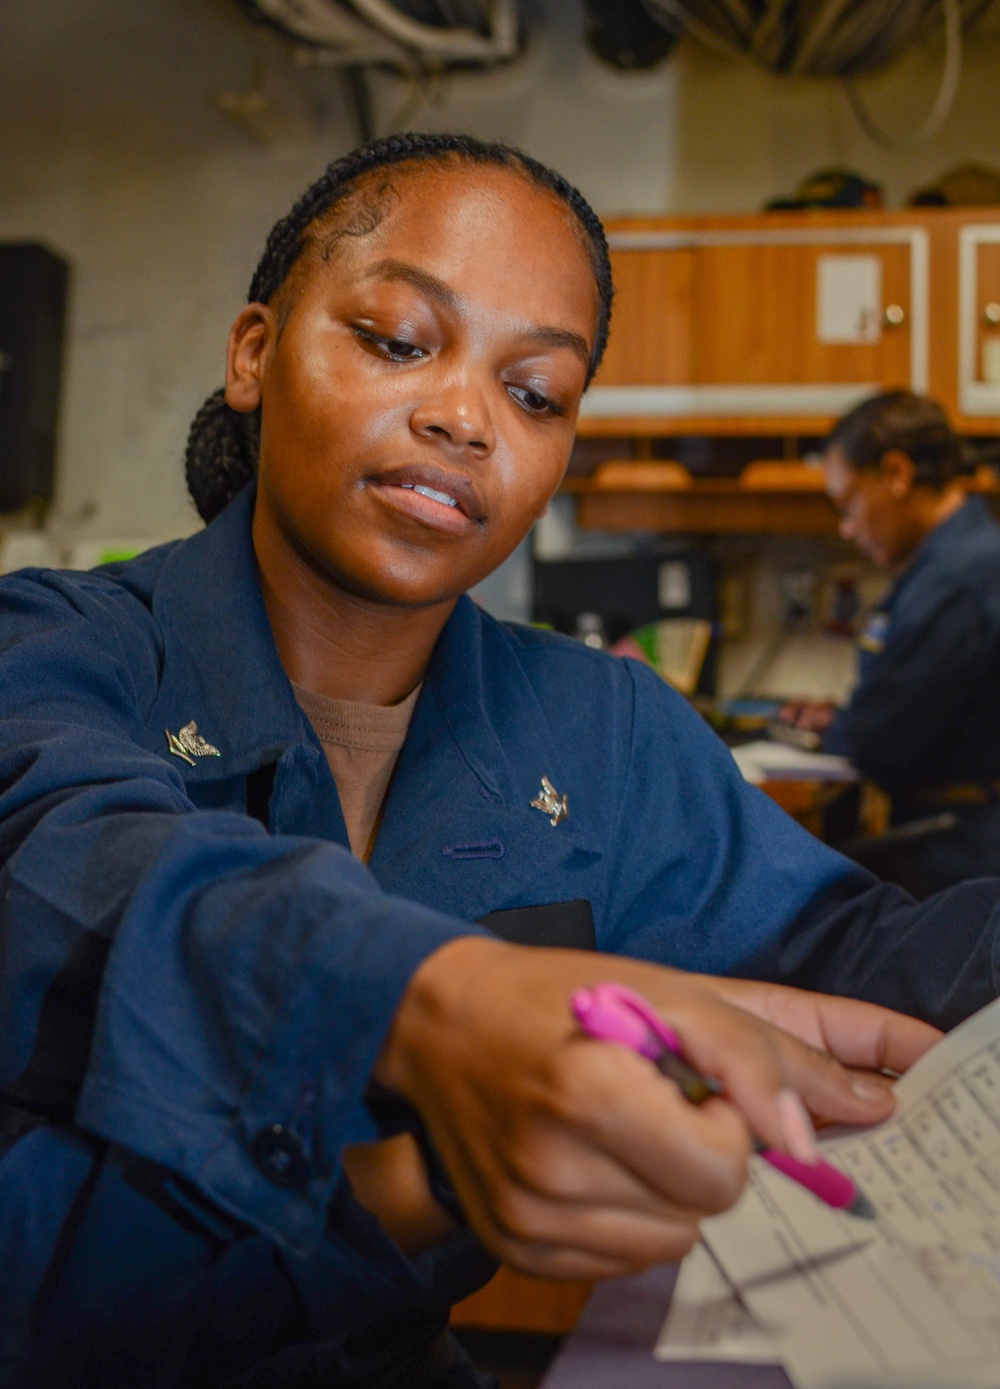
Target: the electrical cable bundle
(815, 38)
(444, 32)
(830, 38)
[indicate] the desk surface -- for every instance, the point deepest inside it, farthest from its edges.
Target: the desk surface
(612, 1345)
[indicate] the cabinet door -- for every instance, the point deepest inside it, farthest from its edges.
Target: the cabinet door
(762, 323)
(979, 321)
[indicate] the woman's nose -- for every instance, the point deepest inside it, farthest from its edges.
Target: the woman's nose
(456, 414)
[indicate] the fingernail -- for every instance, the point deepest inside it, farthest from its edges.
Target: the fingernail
(796, 1127)
(869, 1091)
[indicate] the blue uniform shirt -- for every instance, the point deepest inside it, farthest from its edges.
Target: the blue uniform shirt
(196, 976)
(924, 711)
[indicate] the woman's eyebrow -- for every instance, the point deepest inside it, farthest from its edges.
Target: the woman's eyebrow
(433, 288)
(428, 284)
(560, 337)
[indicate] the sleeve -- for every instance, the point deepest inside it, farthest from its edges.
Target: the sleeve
(916, 688)
(710, 875)
(176, 981)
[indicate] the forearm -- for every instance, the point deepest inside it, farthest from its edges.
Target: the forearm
(184, 983)
(937, 960)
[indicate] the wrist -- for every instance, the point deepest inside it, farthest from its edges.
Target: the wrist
(442, 977)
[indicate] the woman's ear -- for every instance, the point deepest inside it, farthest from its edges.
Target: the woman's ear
(897, 471)
(250, 341)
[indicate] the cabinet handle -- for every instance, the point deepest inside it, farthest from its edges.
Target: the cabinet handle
(991, 313)
(895, 315)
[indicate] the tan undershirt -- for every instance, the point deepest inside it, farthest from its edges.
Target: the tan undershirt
(362, 743)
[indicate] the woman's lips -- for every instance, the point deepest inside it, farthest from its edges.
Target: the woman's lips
(441, 497)
(443, 486)
(431, 507)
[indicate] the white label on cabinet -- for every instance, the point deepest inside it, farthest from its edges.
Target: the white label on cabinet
(991, 359)
(673, 585)
(848, 299)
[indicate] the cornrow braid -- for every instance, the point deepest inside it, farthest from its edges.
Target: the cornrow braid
(223, 444)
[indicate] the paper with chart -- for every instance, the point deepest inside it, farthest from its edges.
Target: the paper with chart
(916, 1300)
(707, 1321)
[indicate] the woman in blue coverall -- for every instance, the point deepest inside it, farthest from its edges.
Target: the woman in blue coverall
(266, 1112)
(922, 720)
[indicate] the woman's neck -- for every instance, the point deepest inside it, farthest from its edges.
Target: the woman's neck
(336, 643)
(931, 508)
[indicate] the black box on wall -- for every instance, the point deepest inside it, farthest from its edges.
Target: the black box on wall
(33, 288)
(626, 592)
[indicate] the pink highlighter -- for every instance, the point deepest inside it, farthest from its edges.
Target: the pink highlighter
(612, 1013)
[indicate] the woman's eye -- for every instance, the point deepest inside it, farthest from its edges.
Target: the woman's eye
(533, 401)
(396, 349)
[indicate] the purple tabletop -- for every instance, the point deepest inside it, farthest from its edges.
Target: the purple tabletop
(612, 1345)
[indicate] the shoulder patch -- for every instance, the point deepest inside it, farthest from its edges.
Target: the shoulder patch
(872, 636)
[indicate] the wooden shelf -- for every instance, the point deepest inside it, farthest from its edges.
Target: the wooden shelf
(655, 496)
(767, 499)
(718, 426)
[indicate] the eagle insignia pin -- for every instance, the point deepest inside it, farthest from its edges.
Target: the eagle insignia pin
(550, 803)
(189, 744)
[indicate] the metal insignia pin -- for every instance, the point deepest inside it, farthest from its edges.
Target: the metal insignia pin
(551, 803)
(189, 744)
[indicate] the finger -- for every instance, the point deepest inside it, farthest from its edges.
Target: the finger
(865, 1035)
(687, 1155)
(729, 1045)
(616, 1133)
(833, 1092)
(830, 1090)
(550, 1237)
(624, 1242)
(601, 1167)
(858, 1034)
(569, 1264)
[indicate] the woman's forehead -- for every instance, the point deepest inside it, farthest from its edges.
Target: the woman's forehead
(495, 236)
(457, 215)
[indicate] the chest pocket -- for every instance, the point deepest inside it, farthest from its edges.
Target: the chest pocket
(569, 925)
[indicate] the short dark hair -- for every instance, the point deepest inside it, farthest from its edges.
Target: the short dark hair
(223, 444)
(901, 420)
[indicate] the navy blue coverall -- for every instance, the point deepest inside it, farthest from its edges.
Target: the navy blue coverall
(924, 719)
(196, 976)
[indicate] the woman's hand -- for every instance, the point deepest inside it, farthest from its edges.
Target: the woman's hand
(813, 716)
(866, 1040)
(575, 1158)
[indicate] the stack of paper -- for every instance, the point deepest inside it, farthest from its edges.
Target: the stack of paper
(765, 761)
(911, 1299)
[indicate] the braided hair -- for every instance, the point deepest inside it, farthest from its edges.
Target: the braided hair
(223, 443)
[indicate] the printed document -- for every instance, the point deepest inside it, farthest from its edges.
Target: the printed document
(914, 1297)
(707, 1321)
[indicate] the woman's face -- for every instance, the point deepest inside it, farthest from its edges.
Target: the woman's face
(876, 507)
(419, 397)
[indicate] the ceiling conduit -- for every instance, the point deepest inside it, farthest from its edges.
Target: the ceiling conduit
(830, 38)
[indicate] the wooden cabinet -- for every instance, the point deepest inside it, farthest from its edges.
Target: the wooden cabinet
(776, 324)
(979, 321)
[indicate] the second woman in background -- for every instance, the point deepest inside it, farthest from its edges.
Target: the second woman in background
(923, 720)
